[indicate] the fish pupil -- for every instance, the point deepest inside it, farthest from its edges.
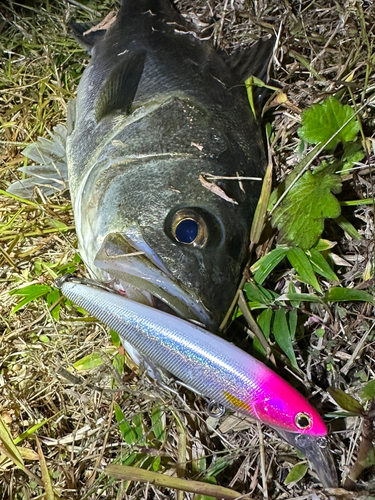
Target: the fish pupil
(186, 231)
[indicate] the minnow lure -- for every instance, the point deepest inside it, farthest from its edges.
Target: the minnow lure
(210, 366)
(206, 363)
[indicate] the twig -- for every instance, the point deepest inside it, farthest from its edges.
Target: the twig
(262, 462)
(126, 473)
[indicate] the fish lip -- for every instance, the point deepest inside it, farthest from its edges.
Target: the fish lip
(133, 264)
(316, 450)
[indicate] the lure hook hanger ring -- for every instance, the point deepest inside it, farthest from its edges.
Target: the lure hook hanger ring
(215, 409)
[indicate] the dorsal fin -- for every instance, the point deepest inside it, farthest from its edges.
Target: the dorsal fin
(160, 8)
(255, 61)
(118, 90)
(90, 39)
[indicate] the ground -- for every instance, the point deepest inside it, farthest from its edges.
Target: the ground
(324, 48)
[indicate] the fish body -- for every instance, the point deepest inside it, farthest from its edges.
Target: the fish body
(206, 363)
(156, 109)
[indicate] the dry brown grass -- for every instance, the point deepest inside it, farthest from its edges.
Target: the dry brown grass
(321, 43)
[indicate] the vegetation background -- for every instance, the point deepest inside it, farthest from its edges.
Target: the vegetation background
(69, 396)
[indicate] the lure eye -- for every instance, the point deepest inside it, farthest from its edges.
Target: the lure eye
(303, 421)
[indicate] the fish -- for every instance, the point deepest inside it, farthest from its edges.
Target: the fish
(158, 114)
(211, 367)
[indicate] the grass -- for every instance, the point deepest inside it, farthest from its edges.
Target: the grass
(57, 400)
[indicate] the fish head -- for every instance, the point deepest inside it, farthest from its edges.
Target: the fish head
(145, 217)
(173, 239)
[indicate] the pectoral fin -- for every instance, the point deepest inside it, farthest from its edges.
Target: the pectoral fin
(118, 90)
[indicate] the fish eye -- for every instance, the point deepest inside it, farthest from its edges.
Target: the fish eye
(186, 231)
(303, 421)
(189, 228)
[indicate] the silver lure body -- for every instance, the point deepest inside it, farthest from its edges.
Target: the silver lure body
(208, 364)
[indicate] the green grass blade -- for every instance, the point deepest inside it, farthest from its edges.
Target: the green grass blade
(339, 294)
(348, 227)
(125, 428)
(8, 443)
(321, 266)
(264, 266)
(301, 264)
(261, 209)
(282, 335)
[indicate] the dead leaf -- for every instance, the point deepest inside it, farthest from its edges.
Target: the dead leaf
(216, 190)
(103, 25)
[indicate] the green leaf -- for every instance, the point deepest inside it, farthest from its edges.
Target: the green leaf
(52, 297)
(296, 473)
(300, 167)
(345, 401)
(137, 422)
(319, 332)
(348, 227)
(282, 335)
(156, 464)
(7, 441)
(118, 363)
(115, 338)
(218, 466)
(292, 320)
(322, 121)
(256, 293)
(302, 297)
(340, 414)
(30, 293)
(300, 216)
(321, 266)
(368, 392)
(88, 362)
(324, 245)
(58, 224)
(301, 264)
(338, 294)
(292, 290)
(130, 459)
(44, 339)
(264, 323)
(158, 423)
(353, 153)
(264, 266)
(77, 258)
(127, 432)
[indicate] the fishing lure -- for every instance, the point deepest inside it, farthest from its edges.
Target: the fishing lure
(210, 366)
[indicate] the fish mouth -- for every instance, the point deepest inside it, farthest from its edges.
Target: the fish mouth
(316, 450)
(137, 272)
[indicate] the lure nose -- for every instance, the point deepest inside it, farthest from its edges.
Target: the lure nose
(317, 451)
